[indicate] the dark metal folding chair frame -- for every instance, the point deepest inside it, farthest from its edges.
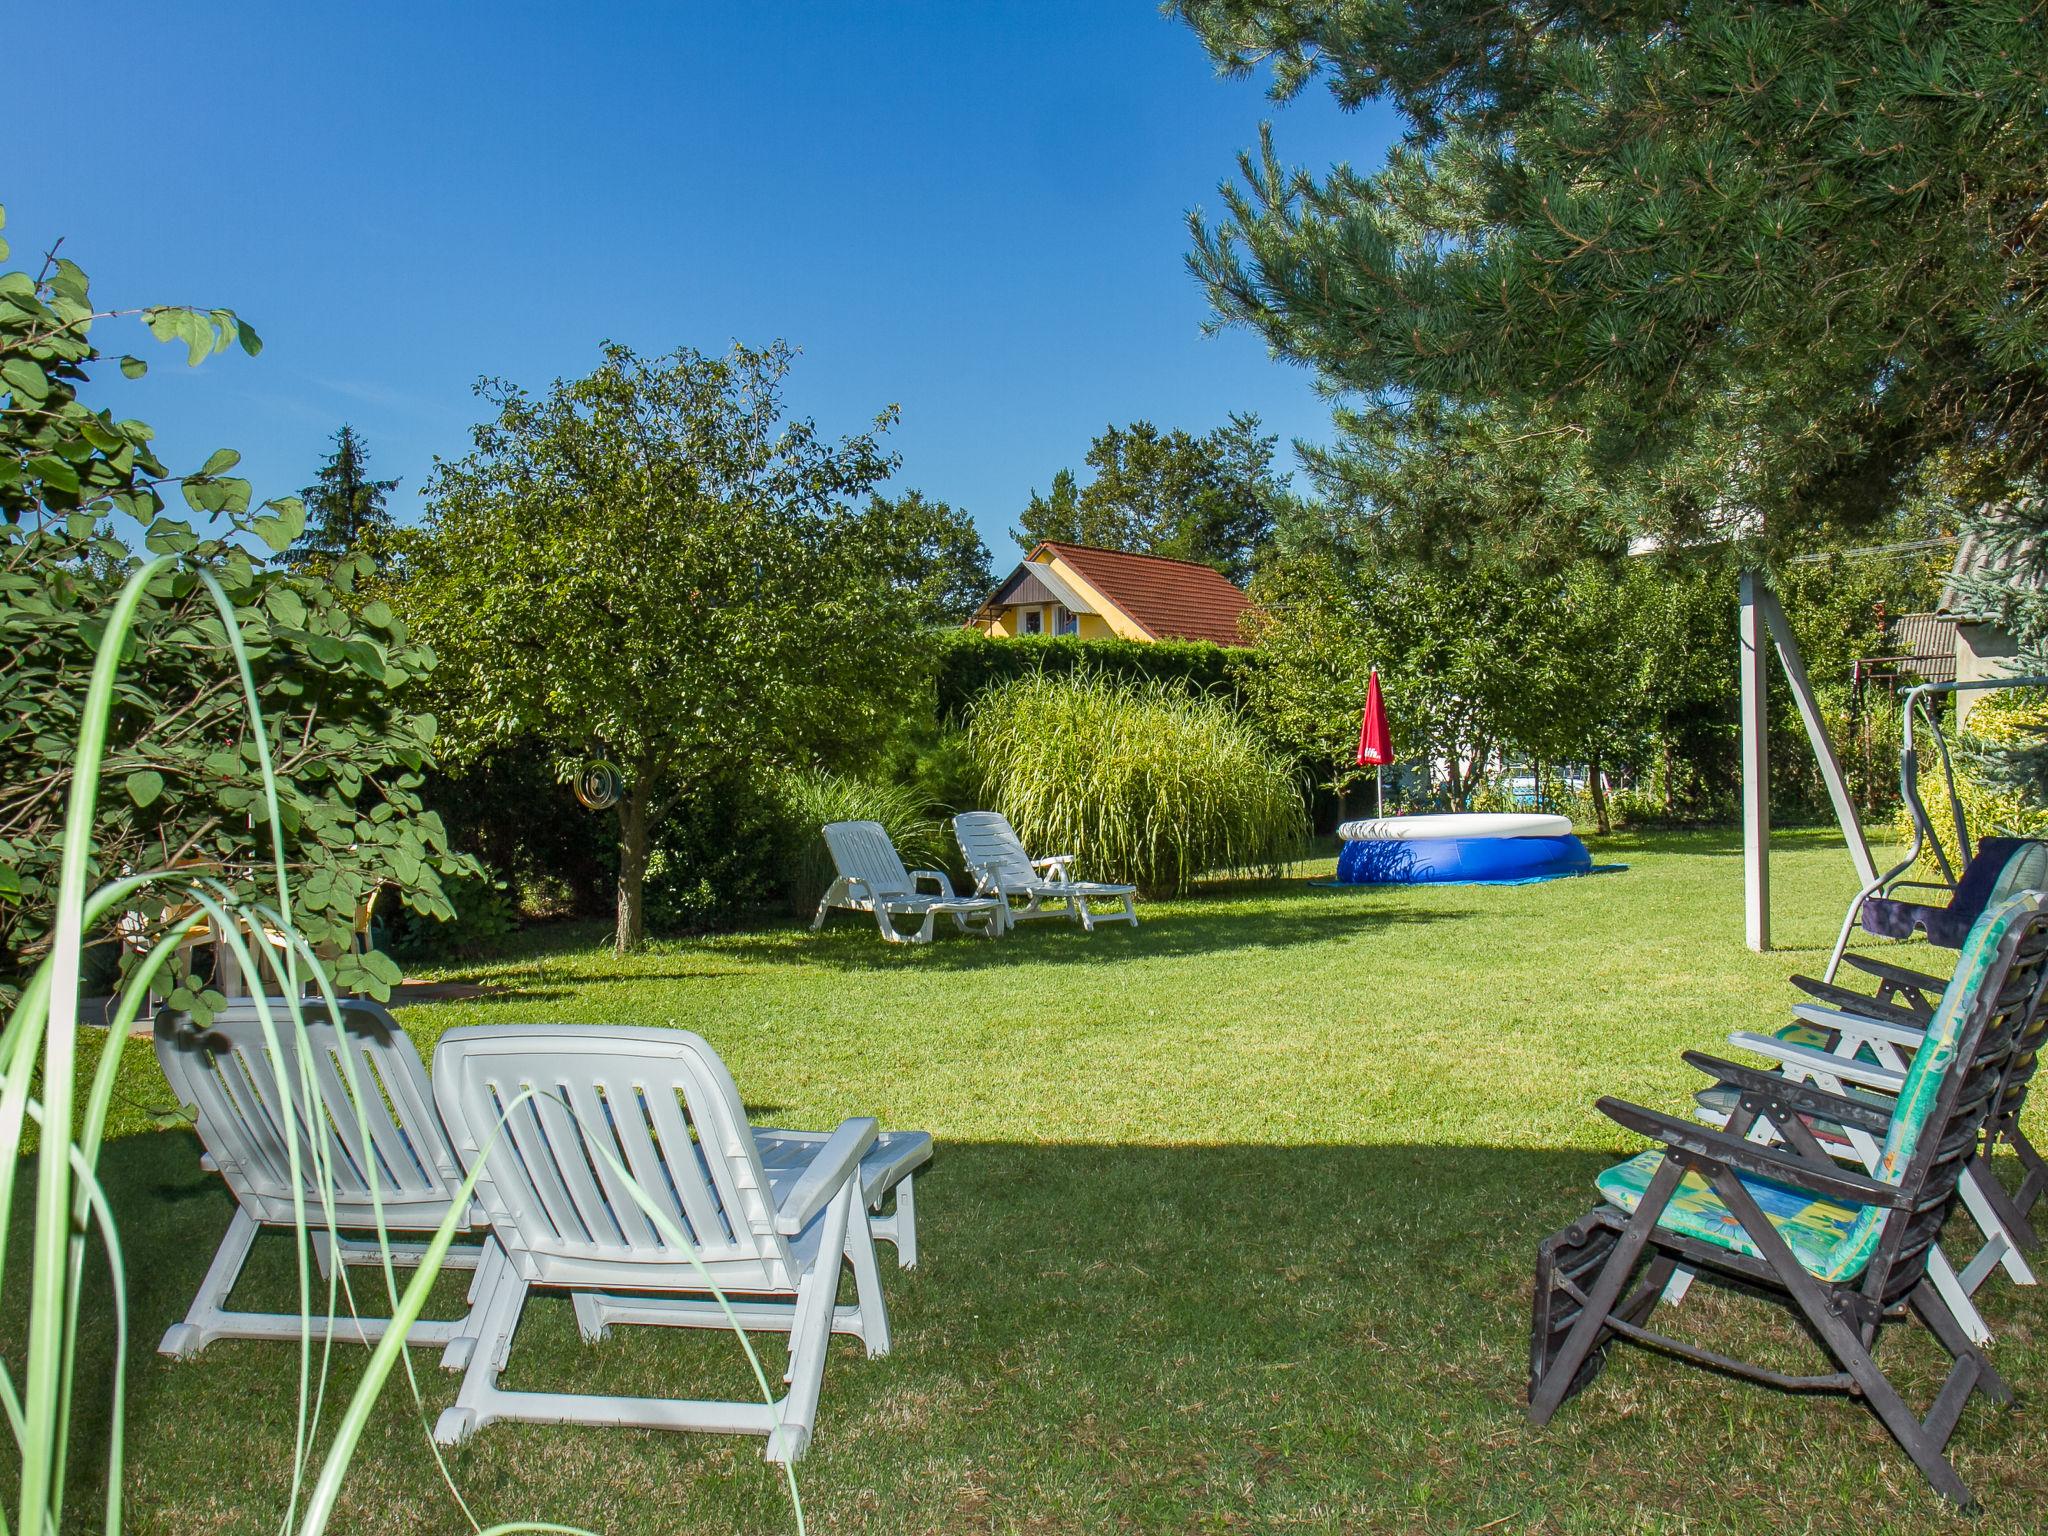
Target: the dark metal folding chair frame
(1584, 1297)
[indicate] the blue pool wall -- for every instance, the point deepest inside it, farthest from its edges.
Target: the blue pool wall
(1461, 860)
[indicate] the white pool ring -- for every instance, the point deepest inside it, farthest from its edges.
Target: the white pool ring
(1399, 829)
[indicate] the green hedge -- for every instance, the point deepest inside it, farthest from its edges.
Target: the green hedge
(970, 661)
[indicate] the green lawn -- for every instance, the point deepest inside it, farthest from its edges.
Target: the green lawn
(1231, 1228)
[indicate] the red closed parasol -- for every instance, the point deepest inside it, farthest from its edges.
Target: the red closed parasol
(1373, 746)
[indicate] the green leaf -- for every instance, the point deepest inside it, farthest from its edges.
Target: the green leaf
(377, 614)
(220, 461)
(383, 967)
(246, 334)
(25, 379)
(55, 473)
(186, 325)
(286, 606)
(144, 786)
(133, 367)
(287, 522)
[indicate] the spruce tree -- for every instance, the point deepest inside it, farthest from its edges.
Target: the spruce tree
(345, 509)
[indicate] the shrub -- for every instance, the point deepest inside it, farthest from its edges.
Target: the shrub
(484, 918)
(970, 663)
(811, 800)
(725, 851)
(1149, 782)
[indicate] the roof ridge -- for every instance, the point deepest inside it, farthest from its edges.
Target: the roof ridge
(1133, 554)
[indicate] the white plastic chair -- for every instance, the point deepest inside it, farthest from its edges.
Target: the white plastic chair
(229, 1076)
(871, 878)
(1002, 868)
(582, 1110)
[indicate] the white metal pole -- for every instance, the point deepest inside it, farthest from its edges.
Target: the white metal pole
(1794, 662)
(1379, 792)
(1756, 771)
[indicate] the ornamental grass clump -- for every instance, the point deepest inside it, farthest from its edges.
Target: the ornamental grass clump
(818, 798)
(1146, 782)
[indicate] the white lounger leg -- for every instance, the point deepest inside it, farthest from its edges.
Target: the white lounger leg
(872, 1305)
(900, 1225)
(1949, 1285)
(208, 1318)
(786, 1425)
(867, 1319)
(200, 1326)
(2000, 1247)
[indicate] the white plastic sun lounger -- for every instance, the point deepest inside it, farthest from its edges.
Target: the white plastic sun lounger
(871, 878)
(562, 1117)
(228, 1075)
(1003, 869)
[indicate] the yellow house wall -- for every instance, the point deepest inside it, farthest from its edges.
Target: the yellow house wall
(1107, 623)
(1111, 619)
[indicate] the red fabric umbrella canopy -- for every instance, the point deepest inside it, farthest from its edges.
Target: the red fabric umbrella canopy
(1374, 750)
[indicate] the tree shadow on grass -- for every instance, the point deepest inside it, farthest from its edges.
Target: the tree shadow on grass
(1098, 1336)
(849, 940)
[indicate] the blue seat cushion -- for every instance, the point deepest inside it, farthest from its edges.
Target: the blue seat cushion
(1890, 918)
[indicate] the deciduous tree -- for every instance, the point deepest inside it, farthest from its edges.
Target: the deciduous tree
(653, 566)
(1210, 499)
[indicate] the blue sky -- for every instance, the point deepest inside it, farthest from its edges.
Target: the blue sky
(973, 211)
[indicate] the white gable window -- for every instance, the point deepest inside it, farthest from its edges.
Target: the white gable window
(1034, 621)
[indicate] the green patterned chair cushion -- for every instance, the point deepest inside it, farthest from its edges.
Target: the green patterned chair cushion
(1814, 1038)
(1814, 1229)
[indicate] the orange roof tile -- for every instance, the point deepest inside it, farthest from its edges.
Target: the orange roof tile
(1170, 599)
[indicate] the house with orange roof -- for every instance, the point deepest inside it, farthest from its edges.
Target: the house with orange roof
(1071, 589)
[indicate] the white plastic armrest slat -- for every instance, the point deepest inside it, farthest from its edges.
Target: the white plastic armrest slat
(1803, 1059)
(1856, 1024)
(937, 876)
(837, 1161)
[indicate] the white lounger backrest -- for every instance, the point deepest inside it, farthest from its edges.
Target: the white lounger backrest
(991, 846)
(228, 1075)
(660, 1103)
(861, 851)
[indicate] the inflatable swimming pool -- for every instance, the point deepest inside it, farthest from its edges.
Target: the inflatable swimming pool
(1459, 849)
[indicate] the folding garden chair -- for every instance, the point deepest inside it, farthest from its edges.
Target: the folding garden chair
(253, 1106)
(1846, 1251)
(871, 878)
(1003, 869)
(561, 1119)
(1868, 1059)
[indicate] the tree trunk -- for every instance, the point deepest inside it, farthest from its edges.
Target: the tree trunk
(633, 844)
(1599, 789)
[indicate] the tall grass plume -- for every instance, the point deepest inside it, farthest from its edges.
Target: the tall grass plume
(1147, 782)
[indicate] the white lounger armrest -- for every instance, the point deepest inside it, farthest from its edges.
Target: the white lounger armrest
(1802, 1060)
(1862, 1027)
(837, 1161)
(937, 876)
